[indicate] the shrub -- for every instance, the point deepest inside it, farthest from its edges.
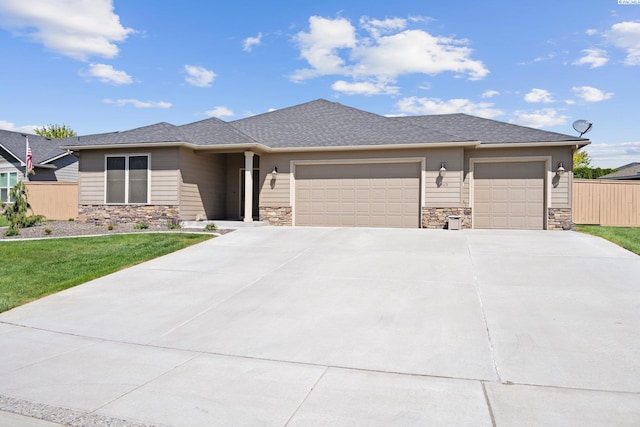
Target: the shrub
(210, 227)
(47, 231)
(141, 226)
(16, 212)
(110, 227)
(174, 224)
(71, 219)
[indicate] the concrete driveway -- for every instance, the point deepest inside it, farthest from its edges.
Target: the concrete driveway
(337, 326)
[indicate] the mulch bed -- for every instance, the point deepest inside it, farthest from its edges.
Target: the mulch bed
(73, 228)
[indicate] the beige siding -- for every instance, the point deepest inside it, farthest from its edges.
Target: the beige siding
(235, 161)
(54, 200)
(608, 203)
(163, 177)
(560, 187)
(202, 185)
(449, 193)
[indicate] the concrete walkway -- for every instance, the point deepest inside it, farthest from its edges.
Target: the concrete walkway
(340, 327)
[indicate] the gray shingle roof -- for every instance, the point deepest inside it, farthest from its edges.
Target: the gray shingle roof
(630, 171)
(486, 131)
(211, 131)
(323, 123)
(43, 149)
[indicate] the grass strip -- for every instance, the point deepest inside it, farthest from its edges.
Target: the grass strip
(627, 237)
(32, 269)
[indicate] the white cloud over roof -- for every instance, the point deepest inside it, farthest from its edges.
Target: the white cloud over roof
(538, 95)
(591, 94)
(540, 118)
(219, 112)
(107, 74)
(626, 35)
(137, 103)
(199, 76)
(381, 51)
(78, 29)
(424, 106)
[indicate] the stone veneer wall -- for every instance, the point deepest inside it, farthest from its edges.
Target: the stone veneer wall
(438, 218)
(559, 219)
(114, 214)
(280, 215)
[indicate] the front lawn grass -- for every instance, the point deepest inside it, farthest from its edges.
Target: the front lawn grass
(31, 269)
(627, 237)
(3, 221)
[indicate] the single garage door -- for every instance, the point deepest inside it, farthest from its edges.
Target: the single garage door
(358, 195)
(509, 195)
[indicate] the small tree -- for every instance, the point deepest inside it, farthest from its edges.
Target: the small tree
(55, 131)
(581, 159)
(16, 212)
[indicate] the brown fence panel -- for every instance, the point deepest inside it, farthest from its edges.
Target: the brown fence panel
(54, 200)
(605, 202)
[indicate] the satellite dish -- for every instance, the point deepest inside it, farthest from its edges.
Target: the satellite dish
(582, 126)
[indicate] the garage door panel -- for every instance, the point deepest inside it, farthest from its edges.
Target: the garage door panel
(369, 195)
(509, 195)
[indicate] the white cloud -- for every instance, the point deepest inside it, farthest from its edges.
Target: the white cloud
(591, 94)
(365, 88)
(539, 118)
(416, 105)
(538, 95)
(76, 28)
(199, 76)
(250, 42)
(615, 154)
(107, 74)
(12, 127)
(219, 112)
(626, 35)
(591, 32)
(138, 104)
(490, 93)
(333, 47)
(593, 57)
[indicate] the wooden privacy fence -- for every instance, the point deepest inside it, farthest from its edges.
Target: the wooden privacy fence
(54, 200)
(606, 202)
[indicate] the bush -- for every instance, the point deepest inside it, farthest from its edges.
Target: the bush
(16, 212)
(591, 173)
(174, 224)
(47, 231)
(141, 226)
(210, 227)
(110, 227)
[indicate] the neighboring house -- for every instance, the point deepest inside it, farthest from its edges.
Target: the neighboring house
(626, 172)
(323, 163)
(50, 162)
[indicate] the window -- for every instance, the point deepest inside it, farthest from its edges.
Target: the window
(127, 179)
(7, 181)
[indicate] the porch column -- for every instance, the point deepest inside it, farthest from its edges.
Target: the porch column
(248, 186)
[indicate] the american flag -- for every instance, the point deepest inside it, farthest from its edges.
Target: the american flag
(29, 159)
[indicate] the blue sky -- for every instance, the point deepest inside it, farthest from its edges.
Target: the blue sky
(102, 65)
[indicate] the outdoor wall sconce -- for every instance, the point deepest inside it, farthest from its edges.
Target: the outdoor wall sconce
(560, 169)
(274, 172)
(443, 170)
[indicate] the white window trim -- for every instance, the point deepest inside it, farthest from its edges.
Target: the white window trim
(126, 177)
(9, 184)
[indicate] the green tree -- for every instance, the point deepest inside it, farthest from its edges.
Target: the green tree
(581, 159)
(55, 131)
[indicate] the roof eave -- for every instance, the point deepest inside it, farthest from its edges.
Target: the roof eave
(13, 155)
(376, 147)
(578, 144)
(134, 145)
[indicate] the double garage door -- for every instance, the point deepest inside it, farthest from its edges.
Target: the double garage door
(358, 195)
(509, 195)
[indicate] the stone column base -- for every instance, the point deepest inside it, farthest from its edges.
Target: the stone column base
(559, 219)
(114, 214)
(438, 218)
(279, 215)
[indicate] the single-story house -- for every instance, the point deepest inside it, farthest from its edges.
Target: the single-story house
(50, 162)
(626, 172)
(326, 164)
